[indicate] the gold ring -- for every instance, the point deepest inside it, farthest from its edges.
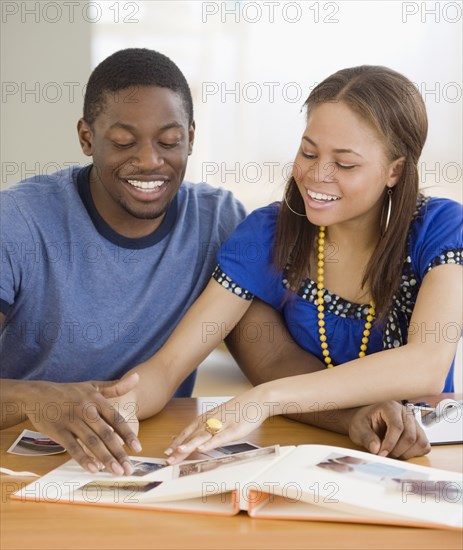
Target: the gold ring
(213, 426)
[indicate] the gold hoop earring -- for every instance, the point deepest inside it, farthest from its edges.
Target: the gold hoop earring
(293, 211)
(389, 210)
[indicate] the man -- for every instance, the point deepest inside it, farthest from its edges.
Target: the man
(100, 263)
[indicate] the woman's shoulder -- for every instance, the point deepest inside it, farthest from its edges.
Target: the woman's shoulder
(253, 239)
(429, 208)
(261, 221)
(436, 216)
(435, 233)
(268, 213)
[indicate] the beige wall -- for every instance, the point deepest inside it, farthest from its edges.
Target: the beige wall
(46, 58)
(45, 62)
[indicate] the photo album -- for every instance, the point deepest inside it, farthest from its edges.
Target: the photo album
(307, 482)
(443, 425)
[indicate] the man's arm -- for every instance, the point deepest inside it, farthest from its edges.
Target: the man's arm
(385, 428)
(73, 414)
(274, 355)
(11, 399)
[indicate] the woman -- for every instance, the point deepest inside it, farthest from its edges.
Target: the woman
(361, 266)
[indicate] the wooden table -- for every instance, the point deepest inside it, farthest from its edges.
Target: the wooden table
(60, 526)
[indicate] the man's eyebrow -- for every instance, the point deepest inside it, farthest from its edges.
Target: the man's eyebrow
(123, 125)
(335, 150)
(132, 128)
(172, 125)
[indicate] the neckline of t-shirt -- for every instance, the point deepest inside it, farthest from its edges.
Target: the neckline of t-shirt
(333, 303)
(83, 186)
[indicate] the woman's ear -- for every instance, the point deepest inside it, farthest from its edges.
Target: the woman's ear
(395, 171)
(85, 137)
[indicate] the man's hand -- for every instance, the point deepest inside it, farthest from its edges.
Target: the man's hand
(126, 405)
(388, 429)
(84, 422)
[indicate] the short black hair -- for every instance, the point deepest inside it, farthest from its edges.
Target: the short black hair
(134, 67)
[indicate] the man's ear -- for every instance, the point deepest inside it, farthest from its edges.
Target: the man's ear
(85, 134)
(395, 171)
(191, 137)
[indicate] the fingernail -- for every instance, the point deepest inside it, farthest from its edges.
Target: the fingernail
(168, 452)
(383, 453)
(93, 468)
(116, 468)
(136, 445)
(181, 447)
(128, 467)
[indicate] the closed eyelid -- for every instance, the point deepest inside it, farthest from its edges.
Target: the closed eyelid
(123, 145)
(311, 155)
(305, 151)
(169, 145)
(336, 151)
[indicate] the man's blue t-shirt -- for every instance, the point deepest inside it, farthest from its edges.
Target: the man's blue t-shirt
(85, 303)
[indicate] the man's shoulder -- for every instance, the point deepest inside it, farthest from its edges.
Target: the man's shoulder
(40, 201)
(213, 209)
(206, 198)
(193, 191)
(42, 185)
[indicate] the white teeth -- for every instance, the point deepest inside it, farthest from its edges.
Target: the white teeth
(322, 196)
(145, 185)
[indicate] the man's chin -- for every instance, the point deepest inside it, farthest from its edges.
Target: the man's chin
(145, 213)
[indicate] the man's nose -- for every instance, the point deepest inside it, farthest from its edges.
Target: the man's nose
(149, 157)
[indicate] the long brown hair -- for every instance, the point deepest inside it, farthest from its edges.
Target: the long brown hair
(391, 104)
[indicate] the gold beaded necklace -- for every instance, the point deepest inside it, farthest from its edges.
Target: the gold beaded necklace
(321, 309)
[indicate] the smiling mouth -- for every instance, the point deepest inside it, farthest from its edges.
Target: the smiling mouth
(146, 186)
(322, 197)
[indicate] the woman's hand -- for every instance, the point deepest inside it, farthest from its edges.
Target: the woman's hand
(239, 417)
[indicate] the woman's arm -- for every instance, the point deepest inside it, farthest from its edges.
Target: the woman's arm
(418, 368)
(209, 320)
(265, 351)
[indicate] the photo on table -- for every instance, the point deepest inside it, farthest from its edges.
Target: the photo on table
(31, 443)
